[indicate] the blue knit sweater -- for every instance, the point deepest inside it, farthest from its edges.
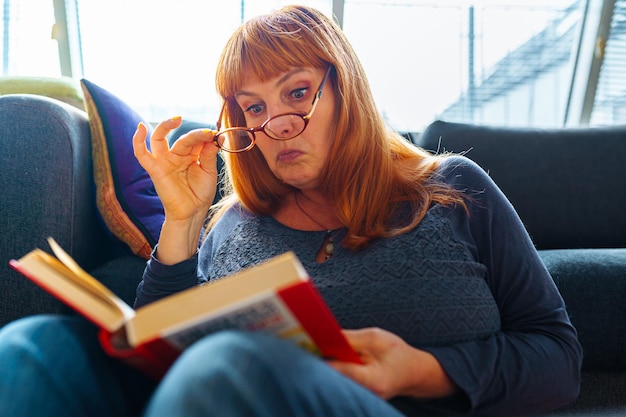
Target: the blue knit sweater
(469, 289)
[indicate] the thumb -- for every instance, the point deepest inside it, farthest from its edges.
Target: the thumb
(361, 339)
(208, 153)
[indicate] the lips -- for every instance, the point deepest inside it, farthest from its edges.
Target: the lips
(288, 155)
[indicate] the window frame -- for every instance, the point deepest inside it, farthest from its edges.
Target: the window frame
(589, 56)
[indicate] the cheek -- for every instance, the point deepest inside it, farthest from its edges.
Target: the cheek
(264, 145)
(323, 138)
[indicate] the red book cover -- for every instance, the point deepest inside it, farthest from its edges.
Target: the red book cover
(311, 311)
(154, 357)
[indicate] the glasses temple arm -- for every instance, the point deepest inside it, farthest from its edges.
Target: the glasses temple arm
(318, 95)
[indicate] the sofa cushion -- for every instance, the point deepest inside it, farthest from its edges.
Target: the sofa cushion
(121, 275)
(125, 195)
(64, 89)
(566, 184)
(593, 283)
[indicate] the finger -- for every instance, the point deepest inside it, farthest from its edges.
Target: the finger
(207, 158)
(360, 339)
(166, 126)
(158, 139)
(356, 372)
(140, 148)
(192, 142)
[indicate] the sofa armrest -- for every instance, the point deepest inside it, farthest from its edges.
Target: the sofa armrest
(47, 190)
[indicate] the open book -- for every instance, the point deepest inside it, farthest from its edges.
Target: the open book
(276, 296)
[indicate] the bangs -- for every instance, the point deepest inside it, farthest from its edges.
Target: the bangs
(267, 47)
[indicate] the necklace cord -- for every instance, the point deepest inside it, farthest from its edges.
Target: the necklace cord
(328, 244)
(295, 197)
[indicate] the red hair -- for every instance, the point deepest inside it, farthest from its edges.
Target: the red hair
(371, 169)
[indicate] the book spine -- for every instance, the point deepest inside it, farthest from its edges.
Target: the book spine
(307, 305)
(153, 357)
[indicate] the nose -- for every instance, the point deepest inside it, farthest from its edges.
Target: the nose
(282, 127)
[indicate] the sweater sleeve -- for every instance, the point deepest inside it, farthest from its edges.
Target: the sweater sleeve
(533, 363)
(161, 280)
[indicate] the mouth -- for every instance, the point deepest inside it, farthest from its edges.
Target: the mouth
(288, 155)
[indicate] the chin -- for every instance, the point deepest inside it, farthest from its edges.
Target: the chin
(295, 177)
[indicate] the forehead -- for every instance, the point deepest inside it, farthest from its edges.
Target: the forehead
(253, 84)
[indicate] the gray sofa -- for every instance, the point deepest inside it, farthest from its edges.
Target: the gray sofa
(568, 186)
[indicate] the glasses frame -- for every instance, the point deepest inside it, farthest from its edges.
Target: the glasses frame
(252, 130)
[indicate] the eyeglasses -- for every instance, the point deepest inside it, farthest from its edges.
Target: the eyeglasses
(281, 127)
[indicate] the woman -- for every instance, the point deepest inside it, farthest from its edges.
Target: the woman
(421, 257)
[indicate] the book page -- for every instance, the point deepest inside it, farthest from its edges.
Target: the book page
(89, 283)
(50, 274)
(263, 312)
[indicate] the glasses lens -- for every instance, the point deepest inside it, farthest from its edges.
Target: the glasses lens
(235, 140)
(286, 126)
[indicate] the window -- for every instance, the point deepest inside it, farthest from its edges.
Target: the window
(157, 56)
(497, 62)
(502, 62)
(27, 45)
(161, 56)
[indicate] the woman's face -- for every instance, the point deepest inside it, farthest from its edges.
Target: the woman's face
(298, 161)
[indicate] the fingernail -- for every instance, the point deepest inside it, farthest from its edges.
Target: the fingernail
(176, 118)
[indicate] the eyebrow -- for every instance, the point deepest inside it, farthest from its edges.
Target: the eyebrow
(280, 81)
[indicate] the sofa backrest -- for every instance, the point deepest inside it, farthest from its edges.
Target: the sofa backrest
(568, 185)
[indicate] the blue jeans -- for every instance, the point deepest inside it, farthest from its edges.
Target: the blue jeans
(54, 366)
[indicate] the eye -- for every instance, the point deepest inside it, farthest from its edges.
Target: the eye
(254, 109)
(298, 93)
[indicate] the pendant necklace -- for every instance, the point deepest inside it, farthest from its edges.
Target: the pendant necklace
(327, 249)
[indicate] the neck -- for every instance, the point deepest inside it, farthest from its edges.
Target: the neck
(315, 198)
(319, 213)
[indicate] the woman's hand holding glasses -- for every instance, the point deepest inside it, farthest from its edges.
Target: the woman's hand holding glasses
(185, 177)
